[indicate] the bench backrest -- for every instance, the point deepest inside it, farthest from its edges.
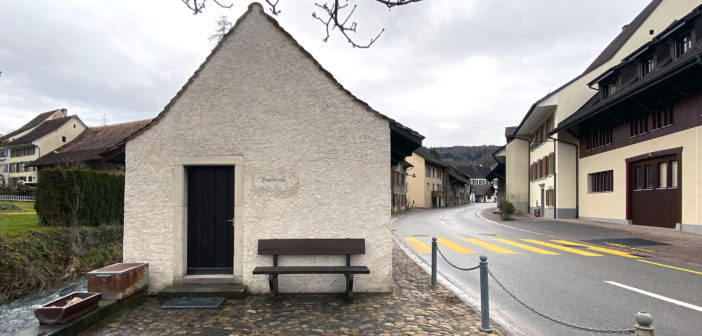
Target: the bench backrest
(311, 246)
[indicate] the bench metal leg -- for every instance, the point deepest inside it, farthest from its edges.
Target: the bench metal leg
(273, 284)
(349, 287)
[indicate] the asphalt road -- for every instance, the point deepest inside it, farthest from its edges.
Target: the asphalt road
(582, 285)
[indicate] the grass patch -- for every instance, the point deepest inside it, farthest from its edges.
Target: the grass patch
(16, 224)
(25, 206)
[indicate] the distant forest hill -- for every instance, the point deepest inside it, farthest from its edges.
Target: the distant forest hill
(467, 155)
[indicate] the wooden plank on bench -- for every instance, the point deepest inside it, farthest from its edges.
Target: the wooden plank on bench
(312, 270)
(311, 246)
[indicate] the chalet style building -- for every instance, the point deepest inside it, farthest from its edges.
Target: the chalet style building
(639, 137)
(278, 150)
(39, 137)
(542, 167)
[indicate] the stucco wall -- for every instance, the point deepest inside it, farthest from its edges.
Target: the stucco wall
(611, 206)
(416, 182)
(517, 173)
(261, 99)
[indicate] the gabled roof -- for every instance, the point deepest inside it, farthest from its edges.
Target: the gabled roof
(91, 143)
(602, 58)
(42, 130)
(31, 124)
(424, 152)
(483, 189)
(475, 172)
(257, 7)
(623, 36)
(663, 72)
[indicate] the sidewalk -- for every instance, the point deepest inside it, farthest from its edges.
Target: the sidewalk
(414, 309)
(675, 245)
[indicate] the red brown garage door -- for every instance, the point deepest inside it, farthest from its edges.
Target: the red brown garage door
(654, 189)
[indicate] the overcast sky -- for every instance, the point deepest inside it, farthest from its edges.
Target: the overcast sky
(456, 71)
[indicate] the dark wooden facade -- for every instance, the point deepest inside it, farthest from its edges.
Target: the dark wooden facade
(656, 91)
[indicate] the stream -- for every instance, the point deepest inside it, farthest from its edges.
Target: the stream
(19, 314)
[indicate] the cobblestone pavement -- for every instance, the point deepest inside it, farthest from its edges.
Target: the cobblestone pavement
(681, 246)
(414, 309)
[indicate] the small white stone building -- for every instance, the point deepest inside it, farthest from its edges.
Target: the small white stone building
(262, 135)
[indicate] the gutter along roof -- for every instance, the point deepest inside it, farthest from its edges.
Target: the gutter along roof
(404, 130)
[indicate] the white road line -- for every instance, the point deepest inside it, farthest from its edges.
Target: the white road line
(514, 228)
(657, 296)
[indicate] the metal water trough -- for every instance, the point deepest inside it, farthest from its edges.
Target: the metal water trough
(118, 281)
(61, 311)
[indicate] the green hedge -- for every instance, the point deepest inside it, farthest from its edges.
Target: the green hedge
(38, 260)
(71, 197)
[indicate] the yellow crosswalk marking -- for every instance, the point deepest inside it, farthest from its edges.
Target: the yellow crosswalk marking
(562, 248)
(597, 248)
(418, 245)
(526, 247)
(489, 246)
(455, 247)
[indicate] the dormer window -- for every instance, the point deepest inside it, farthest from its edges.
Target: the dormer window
(608, 89)
(647, 65)
(683, 44)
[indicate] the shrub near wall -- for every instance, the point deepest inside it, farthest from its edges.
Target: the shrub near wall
(71, 197)
(37, 260)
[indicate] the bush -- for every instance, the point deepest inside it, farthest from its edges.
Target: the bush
(507, 207)
(37, 260)
(79, 197)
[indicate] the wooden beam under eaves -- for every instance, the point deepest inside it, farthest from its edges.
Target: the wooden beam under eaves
(641, 105)
(677, 89)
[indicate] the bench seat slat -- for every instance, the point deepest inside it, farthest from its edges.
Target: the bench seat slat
(311, 246)
(311, 270)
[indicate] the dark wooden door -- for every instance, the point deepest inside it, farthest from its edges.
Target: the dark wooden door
(210, 211)
(654, 191)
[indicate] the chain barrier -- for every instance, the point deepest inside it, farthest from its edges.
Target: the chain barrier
(573, 326)
(454, 266)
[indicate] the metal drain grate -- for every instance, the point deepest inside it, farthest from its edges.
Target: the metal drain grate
(193, 303)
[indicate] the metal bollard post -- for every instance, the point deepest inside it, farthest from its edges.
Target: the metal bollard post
(643, 326)
(433, 261)
(484, 297)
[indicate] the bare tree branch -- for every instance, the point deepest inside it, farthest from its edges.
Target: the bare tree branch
(272, 8)
(332, 21)
(329, 16)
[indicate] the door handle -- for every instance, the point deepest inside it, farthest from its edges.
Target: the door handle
(231, 221)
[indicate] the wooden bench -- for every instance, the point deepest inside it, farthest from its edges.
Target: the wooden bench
(277, 247)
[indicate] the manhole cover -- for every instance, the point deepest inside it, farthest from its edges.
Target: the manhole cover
(627, 242)
(488, 234)
(420, 235)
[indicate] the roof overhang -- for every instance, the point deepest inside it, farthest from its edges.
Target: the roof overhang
(691, 61)
(402, 143)
(537, 114)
